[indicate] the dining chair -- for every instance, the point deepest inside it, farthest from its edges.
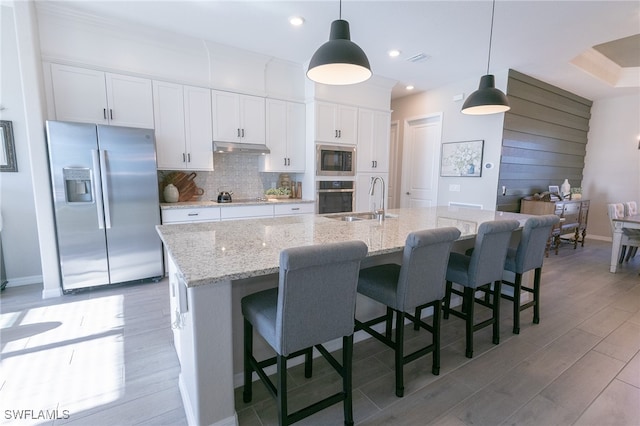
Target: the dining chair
(479, 271)
(528, 255)
(314, 303)
(416, 284)
(630, 237)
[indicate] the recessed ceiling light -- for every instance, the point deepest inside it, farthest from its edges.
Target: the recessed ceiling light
(296, 21)
(409, 87)
(394, 53)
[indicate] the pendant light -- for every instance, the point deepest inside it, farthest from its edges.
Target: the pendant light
(487, 99)
(339, 61)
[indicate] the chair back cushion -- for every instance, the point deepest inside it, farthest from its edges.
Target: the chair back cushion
(533, 242)
(424, 265)
(490, 251)
(317, 294)
(615, 211)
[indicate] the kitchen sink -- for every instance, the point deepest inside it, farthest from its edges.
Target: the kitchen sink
(355, 217)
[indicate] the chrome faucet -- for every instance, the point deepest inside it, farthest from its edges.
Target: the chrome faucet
(380, 211)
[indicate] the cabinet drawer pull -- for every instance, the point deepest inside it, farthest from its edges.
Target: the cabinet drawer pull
(295, 208)
(193, 214)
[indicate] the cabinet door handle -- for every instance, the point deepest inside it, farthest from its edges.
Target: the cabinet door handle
(339, 133)
(288, 161)
(188, 157)
(336, 136)
(285, 161)
(110, 113)
(238, 132)
(104, 113)
(243, 133)
(184, 160)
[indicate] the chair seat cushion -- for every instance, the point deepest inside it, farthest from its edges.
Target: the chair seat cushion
(458, 268)
(380, 283)
(260, 310)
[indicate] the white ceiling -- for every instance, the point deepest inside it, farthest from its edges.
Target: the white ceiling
(538, 38)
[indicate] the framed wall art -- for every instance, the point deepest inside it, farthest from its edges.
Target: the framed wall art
(462, 159)
(8, 161)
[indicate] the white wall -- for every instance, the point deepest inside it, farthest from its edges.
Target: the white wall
(20, 232)
(459, 127)
(612, 163)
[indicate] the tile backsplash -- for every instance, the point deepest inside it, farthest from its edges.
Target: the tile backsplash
(237, 173)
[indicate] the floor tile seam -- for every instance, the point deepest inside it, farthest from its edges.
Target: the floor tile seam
(364, 396)
(596, 398)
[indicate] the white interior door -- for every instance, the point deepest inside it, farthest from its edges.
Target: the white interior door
(422, 136)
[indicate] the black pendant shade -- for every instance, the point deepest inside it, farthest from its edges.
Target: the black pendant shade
(339, 61)
(487, 99)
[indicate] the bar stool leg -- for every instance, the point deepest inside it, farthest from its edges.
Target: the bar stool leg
(437, 308)
(536, 295)
(248, 351)
(517, 286)
(447, 301)
(467, 303)
(497, 288)
(399, 353)
(347, 381)
(282, 389)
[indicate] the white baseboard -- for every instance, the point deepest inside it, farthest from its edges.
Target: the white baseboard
(17, 282)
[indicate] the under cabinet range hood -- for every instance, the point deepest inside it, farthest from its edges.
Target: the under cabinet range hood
(240, 148)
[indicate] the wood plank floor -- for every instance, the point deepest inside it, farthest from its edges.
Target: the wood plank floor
(106, 357)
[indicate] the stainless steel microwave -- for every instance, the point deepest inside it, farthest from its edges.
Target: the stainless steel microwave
(335, 160)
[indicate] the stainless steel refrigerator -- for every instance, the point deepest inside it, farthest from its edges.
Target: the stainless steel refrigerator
(105, 194)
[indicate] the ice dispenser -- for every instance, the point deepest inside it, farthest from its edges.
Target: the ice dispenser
(77, 185)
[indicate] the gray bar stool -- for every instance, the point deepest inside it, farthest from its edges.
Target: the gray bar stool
(478, 272)
(528, 256)
(417, 283)
(313, 304)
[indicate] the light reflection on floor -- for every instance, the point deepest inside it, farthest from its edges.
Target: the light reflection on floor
(74, 352)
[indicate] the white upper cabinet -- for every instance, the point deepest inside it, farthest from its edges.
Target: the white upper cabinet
(183, 126)
(198, 128)
(91, 96)
(336, 123)
(285, 137)
(373, 141)
(238, 118)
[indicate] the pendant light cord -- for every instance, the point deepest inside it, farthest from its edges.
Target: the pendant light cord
(493, 9)
(340, 11)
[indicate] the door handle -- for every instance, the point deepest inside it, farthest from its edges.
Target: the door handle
(110, 113)
(243, 133)
(97, 190)
(105, 188)
(104, 113)
(188, 157)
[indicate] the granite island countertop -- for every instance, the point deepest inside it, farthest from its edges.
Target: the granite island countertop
(211, 252)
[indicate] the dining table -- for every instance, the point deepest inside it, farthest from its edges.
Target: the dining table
(619, 225)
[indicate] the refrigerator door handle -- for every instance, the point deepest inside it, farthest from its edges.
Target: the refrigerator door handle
(105, 188)
(97, 190)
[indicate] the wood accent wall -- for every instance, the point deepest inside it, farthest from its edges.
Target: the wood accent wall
(544, 139)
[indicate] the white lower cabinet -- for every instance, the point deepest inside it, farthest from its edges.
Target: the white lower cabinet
(195, 214)
(293, 209)
(246, 212)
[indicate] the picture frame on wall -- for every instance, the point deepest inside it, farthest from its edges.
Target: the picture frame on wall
(8, 160)
(462, 159)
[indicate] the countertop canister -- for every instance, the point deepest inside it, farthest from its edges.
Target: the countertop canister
(171, 193)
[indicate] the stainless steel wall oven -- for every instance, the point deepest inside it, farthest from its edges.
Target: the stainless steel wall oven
(335, 196)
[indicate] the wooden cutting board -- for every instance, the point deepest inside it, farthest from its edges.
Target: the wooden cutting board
(186, 186)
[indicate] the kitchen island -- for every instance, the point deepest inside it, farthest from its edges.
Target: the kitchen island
(212, 265)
